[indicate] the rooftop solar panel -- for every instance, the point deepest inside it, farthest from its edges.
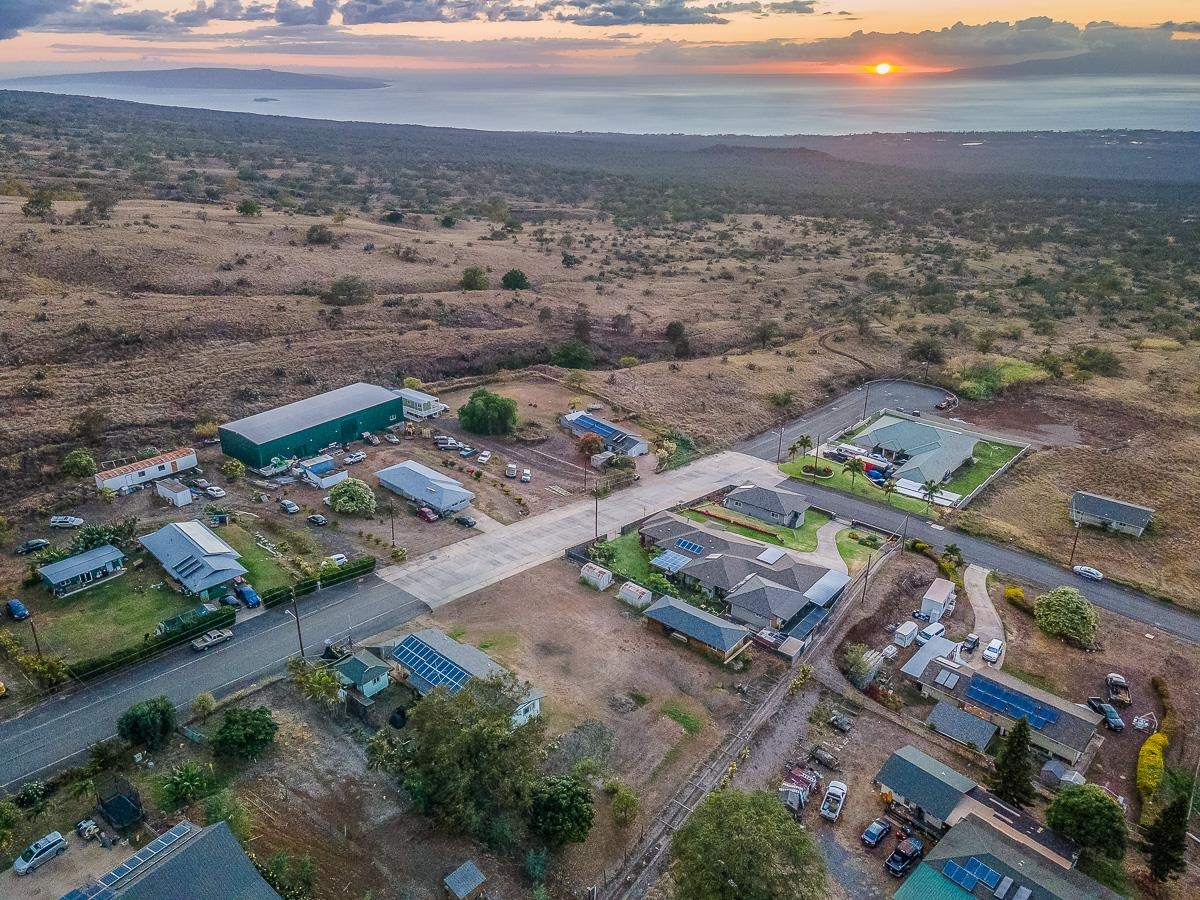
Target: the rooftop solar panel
(689, 546)
(670, 561)
(983, 872)
(603, 429)
(959, 875)
(430, 666)
(1011, 703)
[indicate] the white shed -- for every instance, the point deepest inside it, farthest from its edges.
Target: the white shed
(597, 576)
(939, 599)
(173, 491)
(635, 595)
(905, 634)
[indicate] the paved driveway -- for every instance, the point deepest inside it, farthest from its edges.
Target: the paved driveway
(987, 621)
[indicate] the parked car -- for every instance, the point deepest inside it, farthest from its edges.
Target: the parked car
(351, 458)
(526, 476)
(391, 438)
(929, 632)
(1088, 572)
(1112, 718)
(876, 832)
(33, 545)
(484, 458)
(595, 407)
(215, 492)
(917, 413)
(289, 506)
(248, 594)
(906, 855)
(427, 514)
(510, 471)
(212, 639)
(466, 521)
(230, 600)
(841, 723)
(450, 444)
(466, 450)
(18, 610)
(327, 500)
(318, 520)
(971, 644)
(825, 758)
(65, 521)
(835, 799)
(993, 651)
(946, 403)
(1118, 689)
(338, 558)
(39, 852)
(371, 439)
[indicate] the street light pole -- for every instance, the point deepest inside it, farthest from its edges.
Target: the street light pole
(779, 452)
(1074, 544)
(296, 616)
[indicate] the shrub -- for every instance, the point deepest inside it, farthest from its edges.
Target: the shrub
(249, 208)
(1150, 764)
(474, 278)
(1014, 595)
(561, 810)
(1065, 612)
(148, 723)
(627, 362)
(573, 355)
(186, 783)
(1170, 720)
(515, 280)
(320, 234)
(625, 805)
(245, 733)
(352, 497)
(233, 469)
(79, 463)
(349, 290)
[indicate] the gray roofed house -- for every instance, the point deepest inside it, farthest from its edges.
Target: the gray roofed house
(197, 864)
(723, 638)
(81, 571)
(762, 603)
(672, 532)
(960, 725)
(1112, 514)
(775, 505)
(194, 556)
(1005, 865)
(465, 882)
(926, 788)
(935, 647)
(292, 417)
(922, 452)
(425, 486)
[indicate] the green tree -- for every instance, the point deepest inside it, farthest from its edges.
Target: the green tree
(929, 491)
(1088, 815)
(320, 234)
(889, 488)
(561, 810)
(233, 469)
(39, 205)
(926, 350)
(349, 290)
(738, 846)
(1011, 778)
(474, 278)
(245, 733)
(1065, 612)
(573, 355)
(515, 280)
(149, 723)
(765, 332)
(186, 783)
(101, 203)
(79, 463)
(204, 706)
(249, 208)
(675, 332)
(855, 466)
(488, 413)
(352, 497)
(625, 802)
(1166, 841)
(463, 762)
(448, 221)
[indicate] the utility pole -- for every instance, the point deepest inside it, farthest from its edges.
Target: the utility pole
(779, 452)
(904, 533)
(866, 396)
(596, 494)
(392, 516)
(866, 577)
(36, 642)
(1074, 544)
(296, 616)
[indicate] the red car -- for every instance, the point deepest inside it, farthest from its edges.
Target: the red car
(428, 514)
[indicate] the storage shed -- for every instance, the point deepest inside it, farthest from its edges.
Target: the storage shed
(303, 428)
(597, 576)
(939, 600)
(906, 633)
(173, 491)
(635, 595)
(466, 882)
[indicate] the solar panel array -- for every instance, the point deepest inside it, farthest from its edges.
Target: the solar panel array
(430, 666)
(670, 561)
(102, 888)
(689, 546)
(603, 429)
(959, 875)
(1013, 704)
(947, 679)
(983, 872)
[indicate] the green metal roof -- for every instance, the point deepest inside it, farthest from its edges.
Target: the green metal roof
(926, 883)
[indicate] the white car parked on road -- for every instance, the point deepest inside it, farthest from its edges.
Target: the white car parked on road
(1088, 572)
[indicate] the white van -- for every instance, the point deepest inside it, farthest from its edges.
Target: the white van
(929, 632)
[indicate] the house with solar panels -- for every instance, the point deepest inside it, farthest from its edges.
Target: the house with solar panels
(1058, 727)
(185, 863)
(195, 557)
(615, 439)
(431, 659)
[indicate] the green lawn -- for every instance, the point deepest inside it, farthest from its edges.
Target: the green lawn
(989, 457)
(852, 552)
(860, 487)
(104, 618)
(803, 538)
(263, 570)
(630, 560)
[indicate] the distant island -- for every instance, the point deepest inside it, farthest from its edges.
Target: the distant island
(266, 99)
(209, 78)
(1183, 60)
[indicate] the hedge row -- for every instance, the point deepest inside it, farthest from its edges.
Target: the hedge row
(102, 665)
(353, 569)
(1170, 720)
(1150, 764)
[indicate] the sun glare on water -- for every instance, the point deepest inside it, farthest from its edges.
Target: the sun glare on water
(883, 68)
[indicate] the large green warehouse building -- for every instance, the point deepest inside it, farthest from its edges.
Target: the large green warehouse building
(302, 428)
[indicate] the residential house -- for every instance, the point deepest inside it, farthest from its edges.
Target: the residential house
(1057, 726)
(615, 439)
(186, 862)
(363, 671)
(978, 861)
(433, 659)
(420, 406)
(920, 451)
(82, 571)
(775, 506)
(959, 725)
(135, 474)
(425, 487)
(1111, 514)
(723, 639)
(193, 555)
(173, 491)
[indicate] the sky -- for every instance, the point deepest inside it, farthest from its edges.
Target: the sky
(587, 36)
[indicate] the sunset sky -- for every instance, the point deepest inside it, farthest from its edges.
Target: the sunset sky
(585, 36)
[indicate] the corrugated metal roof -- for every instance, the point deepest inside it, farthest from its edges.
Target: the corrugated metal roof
(73, 566)
(143, 464)
(1111, 509)
(287, 420)
(464, 879)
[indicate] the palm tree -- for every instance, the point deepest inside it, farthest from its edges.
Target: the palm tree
(793, 449)
(888, 488)
(855, 466)
(322, 686)
(929, 490)
(804, 444)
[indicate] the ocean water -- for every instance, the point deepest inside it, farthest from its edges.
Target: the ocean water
(755, 105)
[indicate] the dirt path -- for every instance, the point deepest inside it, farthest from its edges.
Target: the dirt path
(987, 619)
(824, 340)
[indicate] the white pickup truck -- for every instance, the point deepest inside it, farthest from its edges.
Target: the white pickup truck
(835, 799)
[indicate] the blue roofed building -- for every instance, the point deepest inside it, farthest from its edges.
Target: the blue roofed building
(194, 556)
(616, 440)
(82, 571)
(720, 637)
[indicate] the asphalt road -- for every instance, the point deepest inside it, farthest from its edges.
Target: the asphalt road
(53, 733)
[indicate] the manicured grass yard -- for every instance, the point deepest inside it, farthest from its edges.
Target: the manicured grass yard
(854, 553)
(989, 457)
(630, 560)
(862, 486)
(803, 538)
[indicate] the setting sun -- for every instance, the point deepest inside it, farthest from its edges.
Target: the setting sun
(883, 68)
